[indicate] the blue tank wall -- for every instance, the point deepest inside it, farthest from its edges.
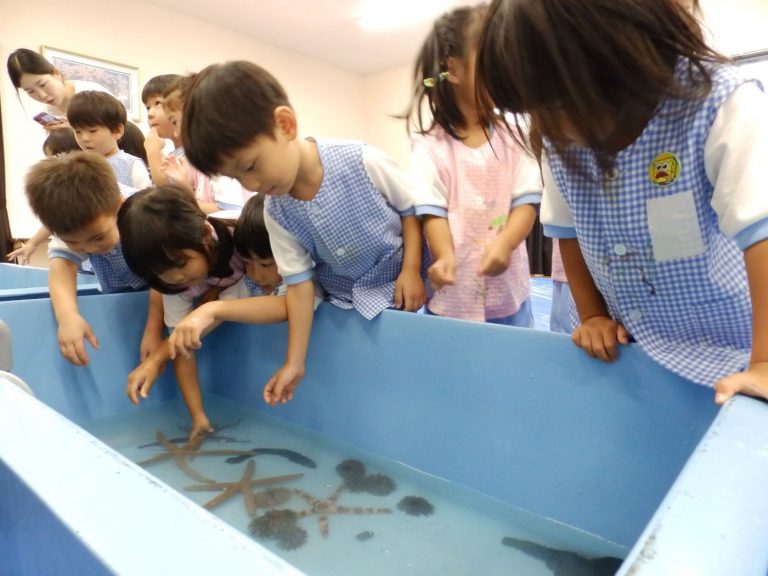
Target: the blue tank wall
(521, 415)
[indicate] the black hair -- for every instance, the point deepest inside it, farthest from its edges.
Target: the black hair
(452, 36)
(157, 85)
(91, 108)
(157, 224)
(251, 236)
(60, 141)
(132, 142)
(226, 107)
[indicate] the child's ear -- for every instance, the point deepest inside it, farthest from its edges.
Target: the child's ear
(285, 121)
(452, 64)
(119, 131)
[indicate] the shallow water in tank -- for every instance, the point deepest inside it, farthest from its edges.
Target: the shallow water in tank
(329, 508)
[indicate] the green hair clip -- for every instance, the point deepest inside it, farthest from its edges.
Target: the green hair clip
(431, 82)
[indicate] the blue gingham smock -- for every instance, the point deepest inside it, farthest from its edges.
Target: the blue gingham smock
(111, 270)
(351, 230)
(130, 170)
(664, 247)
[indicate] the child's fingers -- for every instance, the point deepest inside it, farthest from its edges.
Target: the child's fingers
(622, 335)
(731, 385)
(398, 297)
(91, 337)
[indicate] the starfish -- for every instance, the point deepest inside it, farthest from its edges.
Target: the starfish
(323, 508)
(244, 486)
(180, 454)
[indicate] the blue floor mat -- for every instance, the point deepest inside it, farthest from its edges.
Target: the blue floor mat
(541, 302)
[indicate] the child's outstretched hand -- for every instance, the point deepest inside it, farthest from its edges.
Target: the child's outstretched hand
(200, 429)
(753, 382)
(410, 294)
(442, 273)
(22, 254)
(188, 334)
(282, 384)
(73, 332)
(142, 378)
(598, 337)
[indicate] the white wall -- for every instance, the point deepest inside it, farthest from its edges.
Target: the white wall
(328, 100)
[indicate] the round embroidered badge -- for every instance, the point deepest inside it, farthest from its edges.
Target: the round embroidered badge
(664, 169)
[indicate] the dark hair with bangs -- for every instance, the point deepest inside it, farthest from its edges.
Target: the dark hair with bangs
(452, 36)
(157, 224)
(26, 61)
(594, 63)
(157, 85)
(251, 236)
(90, 108)
(226, 107)
(68, 192)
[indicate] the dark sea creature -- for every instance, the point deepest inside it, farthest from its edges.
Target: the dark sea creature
(351, 469)
(294, 457)
(292, 538)
(364, 536)
(273, 523)
(416, 506)
(564, 563)
(280, 525)
(356, 479)
(379, 485)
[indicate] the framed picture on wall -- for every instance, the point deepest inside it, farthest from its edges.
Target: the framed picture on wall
(119, 79)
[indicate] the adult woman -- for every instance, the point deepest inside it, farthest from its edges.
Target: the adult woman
(43, 82)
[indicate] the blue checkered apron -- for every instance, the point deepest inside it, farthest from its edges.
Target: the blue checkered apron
(113, 273)
(352, 233)
(690, 314)
(122, 163)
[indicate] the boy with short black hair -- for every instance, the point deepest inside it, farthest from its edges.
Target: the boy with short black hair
(99, 121)
(76, 196)
(160, 127)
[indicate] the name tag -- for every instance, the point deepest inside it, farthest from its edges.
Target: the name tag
(674, 227)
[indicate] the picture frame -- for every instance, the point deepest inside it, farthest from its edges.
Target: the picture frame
(121, 80)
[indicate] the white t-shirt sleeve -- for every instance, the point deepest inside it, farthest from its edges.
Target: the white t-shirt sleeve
(175, 308)
(526, 184)
(140, 175)
(293, 261)
(57, 248)
(556, 216)
(393, 181)
(736, 162)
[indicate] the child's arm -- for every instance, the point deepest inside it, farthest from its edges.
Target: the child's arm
(754, 380)
(153, 144)
(153, 329)
(598, 333)
(23, 254)
(497, 254)
(188, 334)
(300, 307)
(73, 329)
(189, 385)
(409, 287)
(442, 271)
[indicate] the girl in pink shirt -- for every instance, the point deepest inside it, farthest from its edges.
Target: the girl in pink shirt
(480, 188)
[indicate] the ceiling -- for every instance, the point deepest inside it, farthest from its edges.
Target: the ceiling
(325, 30)
(328, 30)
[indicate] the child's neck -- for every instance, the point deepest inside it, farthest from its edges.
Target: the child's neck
(310, 174)
(473, 134)
(112, 152)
